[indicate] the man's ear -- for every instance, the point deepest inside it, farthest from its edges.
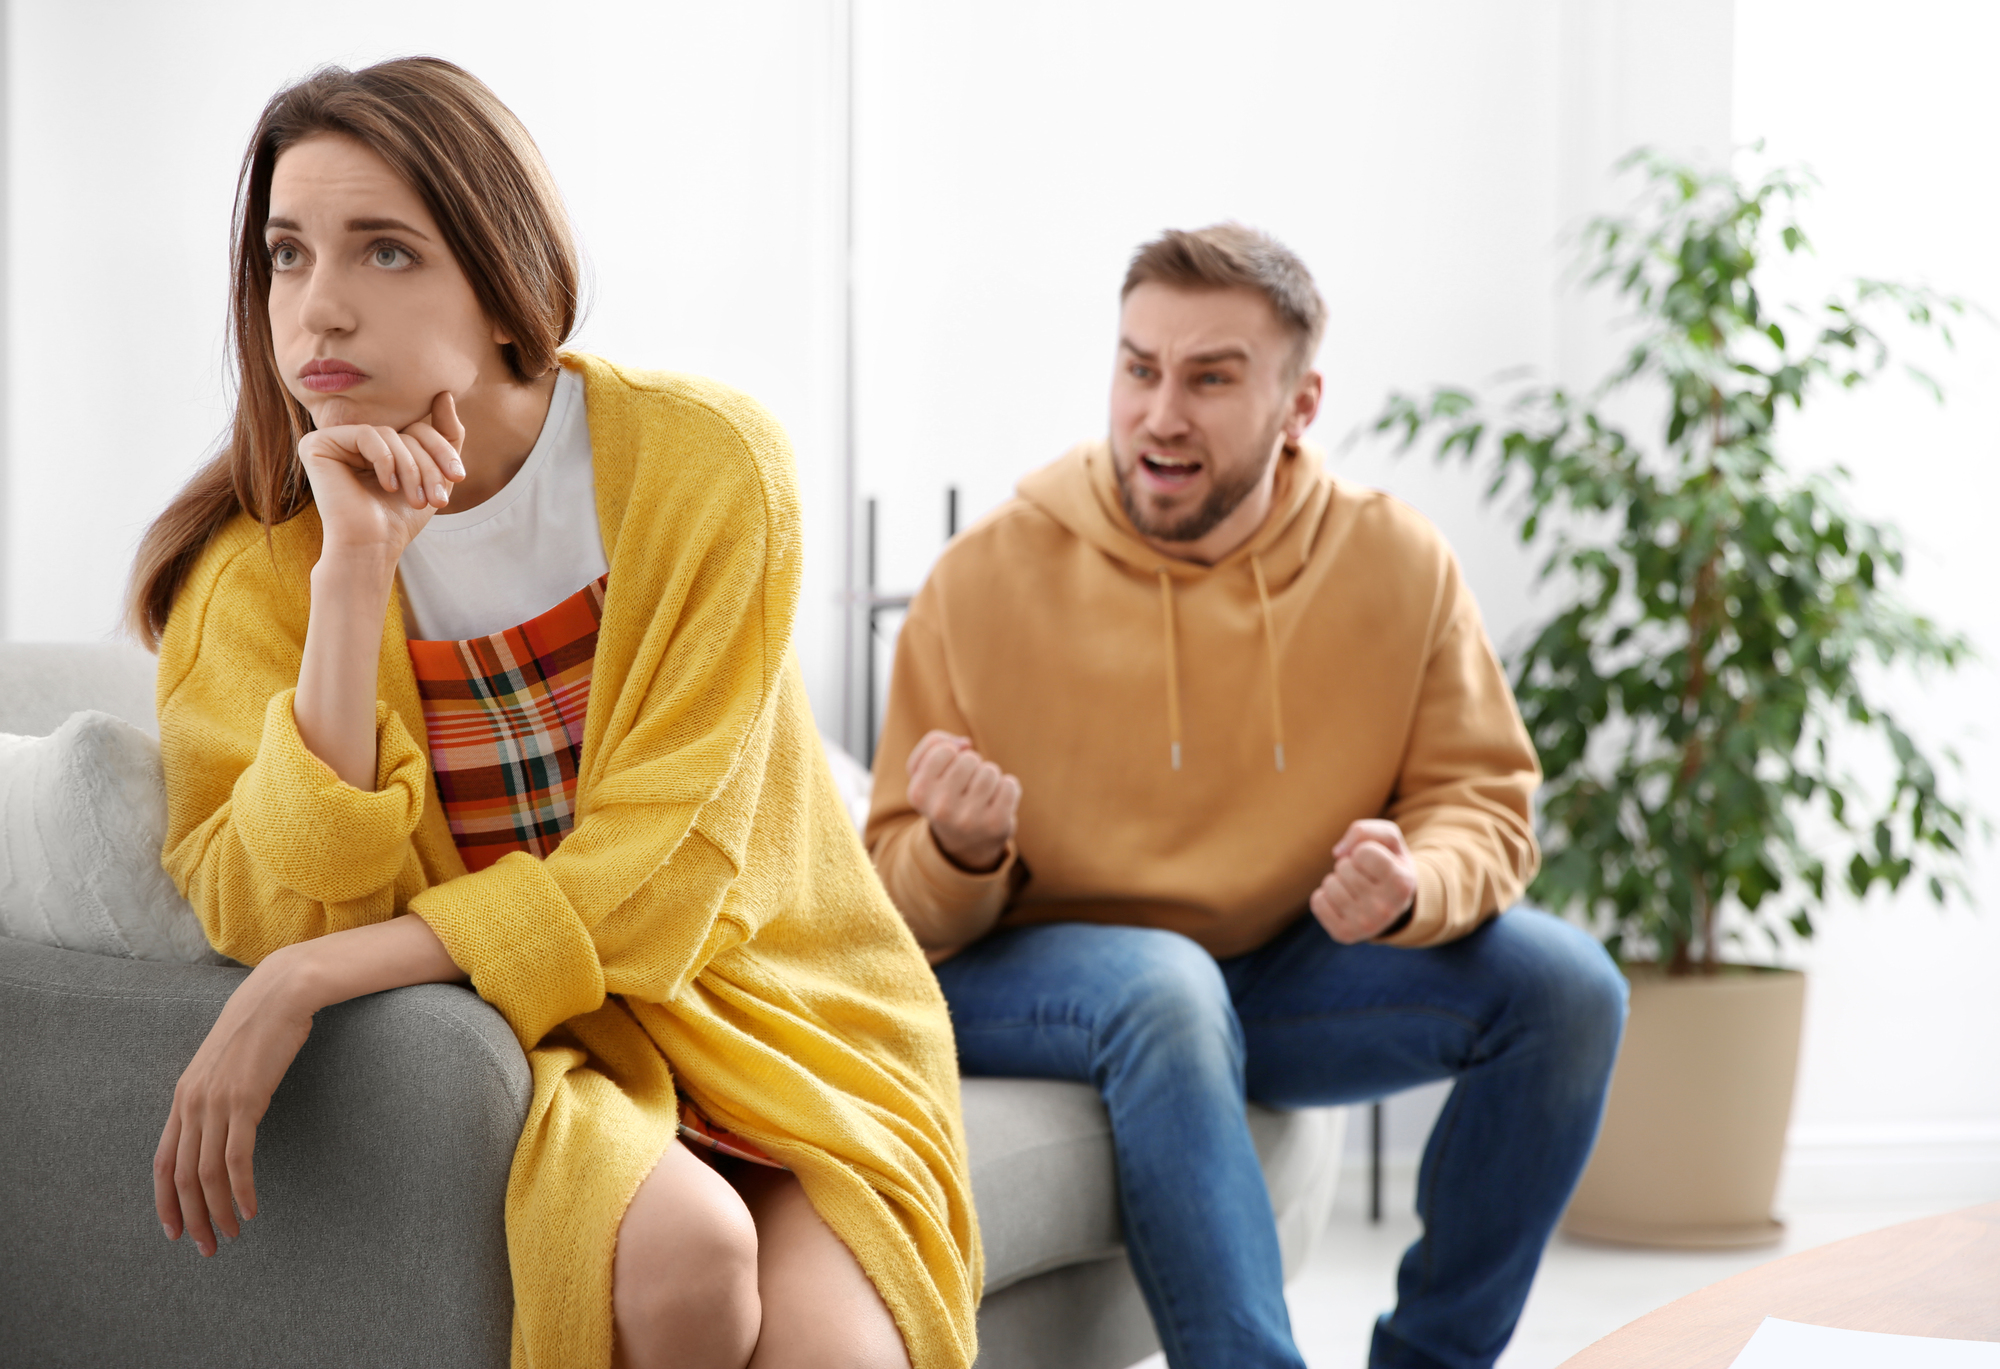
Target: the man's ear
(1304, 405)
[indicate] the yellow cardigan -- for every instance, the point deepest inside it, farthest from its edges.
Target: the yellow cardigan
(711, 909)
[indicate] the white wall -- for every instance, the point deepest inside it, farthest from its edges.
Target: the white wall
(698, 146)
(1898, 1095)
(1010, 159)
(1428, 161)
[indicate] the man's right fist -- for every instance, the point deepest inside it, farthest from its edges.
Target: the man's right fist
(969, 804)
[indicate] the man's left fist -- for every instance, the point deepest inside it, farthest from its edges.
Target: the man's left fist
(1374, 880)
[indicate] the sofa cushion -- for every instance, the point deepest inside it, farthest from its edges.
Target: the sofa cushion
(1045, 1181)
(1300, 1153)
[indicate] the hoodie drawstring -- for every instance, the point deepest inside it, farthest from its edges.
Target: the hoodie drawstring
(1271, 651)
(1173, 670)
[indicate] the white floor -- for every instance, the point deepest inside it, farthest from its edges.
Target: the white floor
(1583, 1291)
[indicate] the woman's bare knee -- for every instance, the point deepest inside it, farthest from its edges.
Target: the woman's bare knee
(820, 1310)
(684, 1277)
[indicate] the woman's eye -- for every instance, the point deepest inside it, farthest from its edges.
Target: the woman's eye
(284, 257)
(391, 258)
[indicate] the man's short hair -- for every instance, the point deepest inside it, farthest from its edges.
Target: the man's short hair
(1229, 256)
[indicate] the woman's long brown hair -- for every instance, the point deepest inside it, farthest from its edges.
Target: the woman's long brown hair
(483, 180)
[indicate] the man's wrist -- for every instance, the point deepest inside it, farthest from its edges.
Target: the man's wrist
(1400, 921)
(970, 863)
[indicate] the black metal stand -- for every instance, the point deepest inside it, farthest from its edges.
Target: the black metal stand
(878, 604)
(1375, 1163)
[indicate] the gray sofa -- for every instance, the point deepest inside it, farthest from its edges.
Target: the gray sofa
(383, 1160)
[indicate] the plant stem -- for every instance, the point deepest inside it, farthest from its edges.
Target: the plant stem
(1703, 613)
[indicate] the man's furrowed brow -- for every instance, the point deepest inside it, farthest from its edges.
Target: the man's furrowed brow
(1220, 354)
(1126, 344)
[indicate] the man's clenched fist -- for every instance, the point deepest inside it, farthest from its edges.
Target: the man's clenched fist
(1374, 879)
(969, 804)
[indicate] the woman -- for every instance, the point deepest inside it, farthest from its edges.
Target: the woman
(552, 741)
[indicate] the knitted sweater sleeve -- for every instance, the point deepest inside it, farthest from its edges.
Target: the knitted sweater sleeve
(684, 689)
(264, 840)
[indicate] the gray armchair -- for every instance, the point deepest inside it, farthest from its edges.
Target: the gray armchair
(382, 1164)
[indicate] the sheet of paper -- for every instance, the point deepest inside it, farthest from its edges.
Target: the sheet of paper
(1794, 1345)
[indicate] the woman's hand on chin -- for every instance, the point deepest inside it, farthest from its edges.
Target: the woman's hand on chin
(377, 486)
(202, 1167)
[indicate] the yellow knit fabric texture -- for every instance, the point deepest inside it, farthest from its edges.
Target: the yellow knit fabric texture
(712, 907)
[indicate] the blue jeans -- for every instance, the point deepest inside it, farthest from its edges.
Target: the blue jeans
(1525, 1014)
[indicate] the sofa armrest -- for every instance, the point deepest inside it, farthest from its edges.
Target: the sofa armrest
(381, 1177)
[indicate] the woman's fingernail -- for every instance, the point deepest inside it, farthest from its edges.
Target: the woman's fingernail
(389, 481)
(443, 494)
(169, 1230)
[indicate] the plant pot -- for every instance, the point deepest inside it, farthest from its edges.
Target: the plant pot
(1694, 1131)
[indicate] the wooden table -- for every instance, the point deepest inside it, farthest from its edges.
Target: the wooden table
(1935, 1277)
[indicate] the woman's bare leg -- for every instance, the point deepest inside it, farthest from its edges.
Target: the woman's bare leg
(685, 1274)
(820, 1311)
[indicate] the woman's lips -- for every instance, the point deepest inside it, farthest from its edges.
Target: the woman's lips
(330, 375)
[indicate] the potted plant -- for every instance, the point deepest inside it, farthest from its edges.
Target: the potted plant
(1720, 616)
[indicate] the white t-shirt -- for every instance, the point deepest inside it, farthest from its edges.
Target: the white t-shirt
(523, 551)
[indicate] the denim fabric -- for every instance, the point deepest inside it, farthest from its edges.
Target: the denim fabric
(1524, 1013)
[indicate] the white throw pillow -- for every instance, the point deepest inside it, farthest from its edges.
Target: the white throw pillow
(83, 814)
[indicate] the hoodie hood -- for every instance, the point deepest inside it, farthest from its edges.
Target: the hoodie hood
(1080, 492)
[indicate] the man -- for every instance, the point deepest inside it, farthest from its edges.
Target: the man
(1214, 787)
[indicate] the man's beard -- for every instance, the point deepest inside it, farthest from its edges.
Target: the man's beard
(1224, 497)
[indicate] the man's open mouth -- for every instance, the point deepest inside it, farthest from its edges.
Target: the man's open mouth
(1169, 469)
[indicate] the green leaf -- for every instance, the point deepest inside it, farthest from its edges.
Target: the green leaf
(1713, 617)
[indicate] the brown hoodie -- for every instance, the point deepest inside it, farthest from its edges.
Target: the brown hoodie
(1192, 740)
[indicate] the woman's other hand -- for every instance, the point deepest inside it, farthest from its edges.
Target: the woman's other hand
(202, 1168)
(202, 1174)
(375, 486)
